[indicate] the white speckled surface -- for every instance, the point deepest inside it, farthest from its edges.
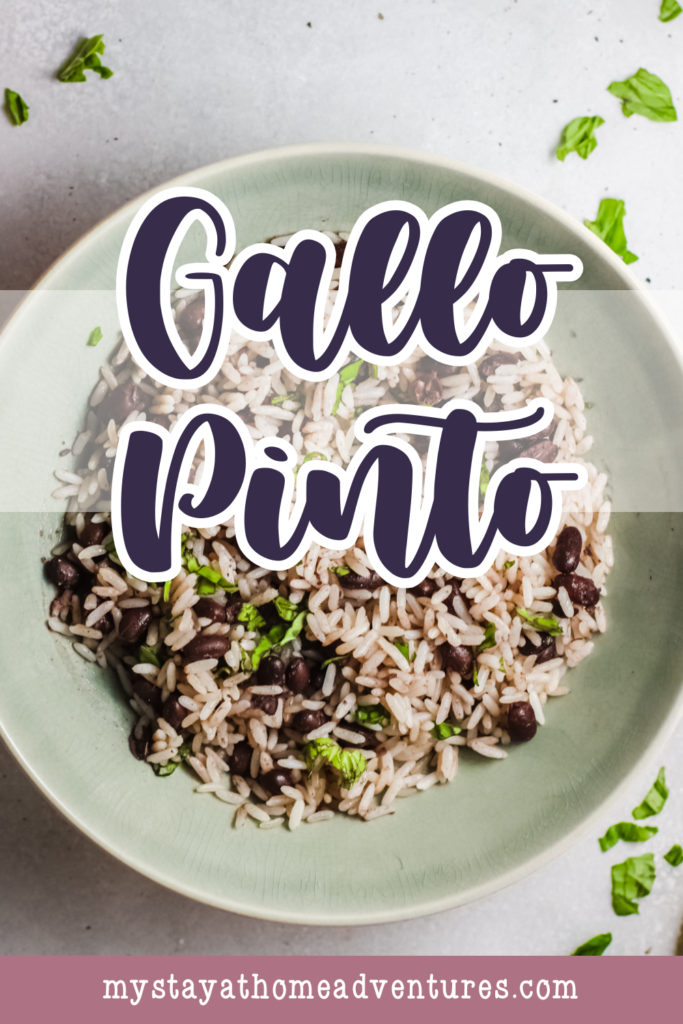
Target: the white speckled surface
(474, 82)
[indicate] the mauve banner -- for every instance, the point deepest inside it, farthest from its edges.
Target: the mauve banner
(214, 988)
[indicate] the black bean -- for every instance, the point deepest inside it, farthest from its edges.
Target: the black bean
(266, 702)
(581, 590)
(458, 658)
(120, 403)
(146, 691)
(568, 550)
(271, 672)
(93, 533)
(542, 451)
(306, 721)
(274, 780)
(270, 615)
(173, 712)
(134, 623)
(240, 759)
(233, 606)
(425, 389)
(297, 676)
(105, 624)
(62, 572)
(424, 589)
(352, 581)
(369, 737)
(191, 319)
(205, 608)
(202, 647)
(140, 746)
(489, 366)
(546, 650)
(517, 447)
(521, 722)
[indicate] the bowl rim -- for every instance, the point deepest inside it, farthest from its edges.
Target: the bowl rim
(476, 891)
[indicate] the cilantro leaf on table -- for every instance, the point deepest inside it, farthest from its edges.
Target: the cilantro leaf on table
(349, 763)
(595, 946)
(669, 10)
(95, 337)
(632, 880)
(578, 137)
(645, 94)
(347, 374)
(609, 226)
(675, 856)
(540, 623)
(655, 799)
(85, 58)
(628, 832)
(16, 108)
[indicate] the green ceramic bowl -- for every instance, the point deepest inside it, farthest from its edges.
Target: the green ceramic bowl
(67, 722)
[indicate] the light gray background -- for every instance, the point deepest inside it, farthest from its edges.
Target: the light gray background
(489, 82)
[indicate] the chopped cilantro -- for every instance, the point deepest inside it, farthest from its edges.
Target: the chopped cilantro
(675, 856)
(278, 399)
(404, 648)
(15, 107)
(85, 58)
(644, 94)
(630, 881)
(508, 565)
(488, 641)
(340, 570)
(655, 799)
(330, 661)
(349, 763)
(167, 769)
(150, 655)
(595, 946)
(628, 832)
(589, 405)
(484, 478)
(502, 665)
(251, 617)
(609, 226)
(669, 10)
(370, 715)
(277, 636)
(541, 624)
(211, 578)
(578, 137)
(167, 589)
(286, 609)
(346, 375)
(315, 456)
(95, 337)
(445, 730)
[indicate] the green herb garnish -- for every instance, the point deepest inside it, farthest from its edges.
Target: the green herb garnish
(167, 589)
(277, 636)
(655, 799)
(316, 456)
(578, 137)
(291, 397)
(488, 641)
(15, 107)
(330, 661)
(444, 730)
(484, 478)
(340, 570)
(210, 578)
(508, 565)
(371, 715)
(589, 405)
(95, 337)
(541, 624)
(349, 763)
(287, 610)
(346, 375)
(675, 856)
(150, 655)
(630, 881)
(609, 226)
(251, 617)
(669, 10)
(85, 58)
(644, 94)
(628, 832)
(184, 751)
(595, 946)
(404, 648)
